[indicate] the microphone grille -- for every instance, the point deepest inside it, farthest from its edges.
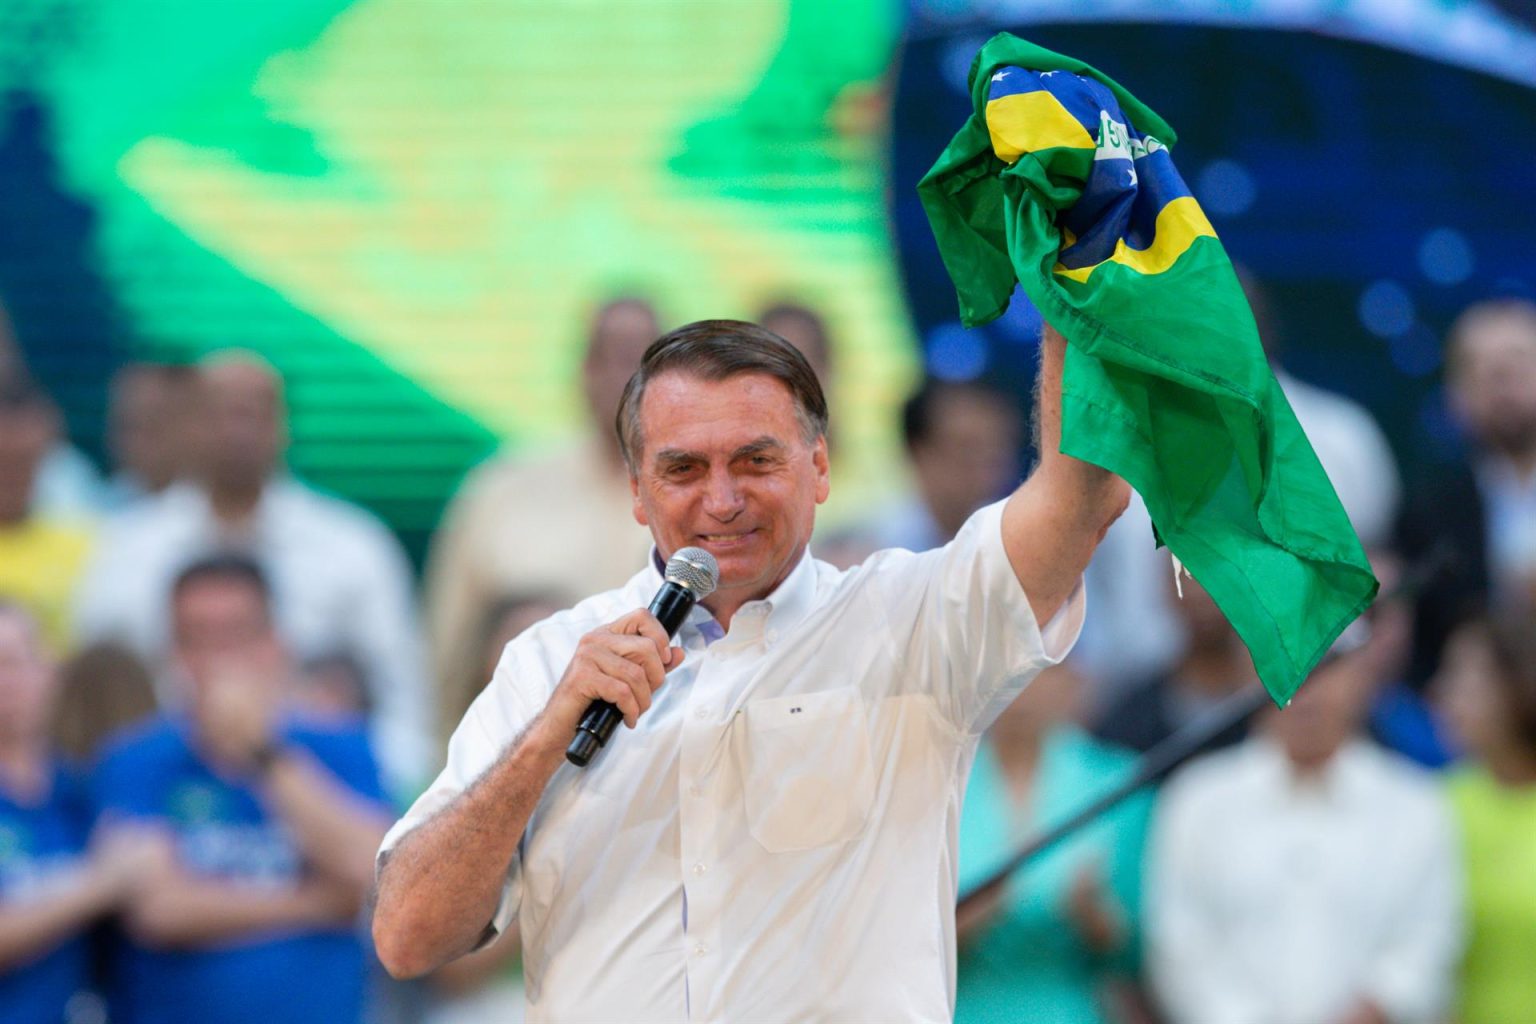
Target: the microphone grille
(695, 569)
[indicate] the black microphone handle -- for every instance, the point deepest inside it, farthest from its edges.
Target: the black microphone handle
(671, 606)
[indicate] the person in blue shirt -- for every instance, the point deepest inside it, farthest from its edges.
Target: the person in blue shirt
(269, 827)
(1059, 944)
(54, 882)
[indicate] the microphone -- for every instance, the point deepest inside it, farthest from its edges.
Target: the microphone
(692, 575)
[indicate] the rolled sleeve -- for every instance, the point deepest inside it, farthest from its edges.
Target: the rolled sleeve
(496, 718)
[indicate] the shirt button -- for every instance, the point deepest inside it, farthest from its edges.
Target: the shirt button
(698, 869)
(701, 713)
(700, 949)
(694, 790)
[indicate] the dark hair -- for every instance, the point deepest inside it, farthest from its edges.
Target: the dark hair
(228, 566)
(717, 350)
(1512, 642)
(103, 689)
(918, 412)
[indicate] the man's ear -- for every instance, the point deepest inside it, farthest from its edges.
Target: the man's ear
(823, 469)
(637, 506)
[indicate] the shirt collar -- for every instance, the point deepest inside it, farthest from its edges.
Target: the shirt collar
(789, 602)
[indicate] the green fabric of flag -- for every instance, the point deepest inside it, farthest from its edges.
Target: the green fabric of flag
(1063, 182)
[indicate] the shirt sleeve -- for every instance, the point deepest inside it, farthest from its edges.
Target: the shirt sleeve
(960, 612)
(517, 693)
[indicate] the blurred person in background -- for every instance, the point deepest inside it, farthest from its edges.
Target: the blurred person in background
(556, 519)
(803, 328)
(41, 555)
(340, 579)
(486, 987)
(1487, 687)
(54, 883)
(151, 424)
(1133, 634)
(1305, 876)
(963, 442)
(67, 485)
(1481, 511)
(1062, 938)
(103, 689)
(269, 829)
(1213, 666)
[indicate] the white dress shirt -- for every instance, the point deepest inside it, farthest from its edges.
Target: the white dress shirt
(340, 582)
(1272, 900)
(776, 841)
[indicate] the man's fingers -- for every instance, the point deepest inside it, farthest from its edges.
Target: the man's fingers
(641, 622)
(642, 652)
(627, 673)
(675, 657)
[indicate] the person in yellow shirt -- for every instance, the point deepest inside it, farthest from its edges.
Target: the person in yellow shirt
(40, 559)
(1487, 686)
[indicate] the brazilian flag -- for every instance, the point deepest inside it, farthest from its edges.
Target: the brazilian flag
(1063, 182)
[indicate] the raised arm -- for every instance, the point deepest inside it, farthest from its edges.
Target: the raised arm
(1056, 518)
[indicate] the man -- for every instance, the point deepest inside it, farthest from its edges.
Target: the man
(42, 555)
(53, 885)
(1305, 876)
(1212, 667)
(340, 581)
(557, 520)
(1482, 511)
(775, 839)
(150, 430)
(272, 826)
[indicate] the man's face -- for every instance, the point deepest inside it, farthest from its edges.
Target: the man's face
(25, 434)
(244, 423)
(26, 680)
(1494, 383)
(1327, 710)
(148, 424)
(724, 465)
(970, 456)
(222, 626)
(619, 339)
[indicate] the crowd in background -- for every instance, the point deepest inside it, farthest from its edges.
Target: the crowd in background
(218, 685)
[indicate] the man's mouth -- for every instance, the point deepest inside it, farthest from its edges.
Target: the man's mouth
(725, 538)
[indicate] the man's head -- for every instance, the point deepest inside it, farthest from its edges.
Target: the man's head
(724, 432)
(28, 427)
(1327, 711)
(221, 621)
(621, 332)
(148, 422)
(803, 328)
(26, 679)
(244, 420)
(1492, 374)
(963, 441)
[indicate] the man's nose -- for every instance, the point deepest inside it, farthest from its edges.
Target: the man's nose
(722, 498)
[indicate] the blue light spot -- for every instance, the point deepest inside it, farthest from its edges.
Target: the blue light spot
(1445, 256)
(1386, 309)
(1225, 187)
(955, 353)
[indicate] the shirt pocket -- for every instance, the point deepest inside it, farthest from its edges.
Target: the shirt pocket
(806, 775)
